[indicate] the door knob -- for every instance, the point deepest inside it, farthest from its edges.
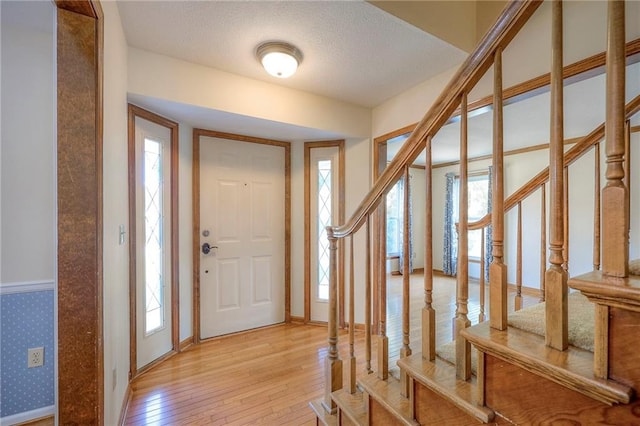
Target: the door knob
(206, 248)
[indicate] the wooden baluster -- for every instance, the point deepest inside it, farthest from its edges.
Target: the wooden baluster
(615, 229)
(565, 246)
(383, 340)
(333, 363)
(497, 269)
(543, 239)
(596, 210)
(481, 316)
(405, 351)
(463, 347)
(627, 167)
(367, 296)
(352, 322)
(428, 313)
(518, 301)
(556, 277)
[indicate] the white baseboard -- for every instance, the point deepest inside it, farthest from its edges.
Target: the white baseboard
(26, 287)
(38, 413)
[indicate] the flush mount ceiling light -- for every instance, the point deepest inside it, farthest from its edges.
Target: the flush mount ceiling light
(278, 58)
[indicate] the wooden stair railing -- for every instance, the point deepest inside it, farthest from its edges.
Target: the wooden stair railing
(488, 53)
(512, 19)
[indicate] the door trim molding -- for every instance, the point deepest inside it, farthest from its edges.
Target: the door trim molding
(308, 146)
(133, 113)
(197, 134)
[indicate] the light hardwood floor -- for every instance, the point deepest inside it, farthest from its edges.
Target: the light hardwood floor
(268, 376)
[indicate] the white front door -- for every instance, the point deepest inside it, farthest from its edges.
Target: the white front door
(324, 212)
(242, 206)
(153, 241)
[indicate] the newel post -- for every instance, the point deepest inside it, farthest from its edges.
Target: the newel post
(615, 224)
(333, 363)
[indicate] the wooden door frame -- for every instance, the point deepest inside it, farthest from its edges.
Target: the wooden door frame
(134, 112)
(197, 134)
(308, 146)
(80, 347)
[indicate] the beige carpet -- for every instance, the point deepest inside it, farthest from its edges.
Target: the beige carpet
(532, 319)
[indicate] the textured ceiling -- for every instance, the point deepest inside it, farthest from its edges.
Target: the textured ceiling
(352, 50)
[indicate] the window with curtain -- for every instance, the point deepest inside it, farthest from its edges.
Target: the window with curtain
(479, 204)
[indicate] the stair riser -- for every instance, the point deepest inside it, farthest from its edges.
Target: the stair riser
(431, 409)
(624, 357)
(379, 416)
(525, 398)
(343, 420)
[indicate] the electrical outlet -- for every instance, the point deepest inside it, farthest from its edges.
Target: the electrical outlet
(35, 357)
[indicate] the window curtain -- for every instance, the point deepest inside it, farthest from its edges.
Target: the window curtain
(488, 240)
(450, 258)
(404, 187)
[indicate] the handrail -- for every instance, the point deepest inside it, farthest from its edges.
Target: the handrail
(580, 148)
(513, 17)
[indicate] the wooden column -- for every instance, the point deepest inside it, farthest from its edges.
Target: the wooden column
(615, 228)
(352, 323)
(367, 296)
(518, 299)
(333, 363)
(481, 316)
(543, 239)
(428, 313)
(556, 276)
(463, 347)
(596, 209)
(405, 351)
(627, 168)
(565, 213)
(497, 269)
(79, 213)
(382, 339)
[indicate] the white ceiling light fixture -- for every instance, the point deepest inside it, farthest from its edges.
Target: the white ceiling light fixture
(278, 58)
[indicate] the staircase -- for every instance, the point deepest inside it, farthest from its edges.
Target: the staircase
(578, 363)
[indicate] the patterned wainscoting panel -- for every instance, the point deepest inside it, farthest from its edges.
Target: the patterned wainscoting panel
(27, 320)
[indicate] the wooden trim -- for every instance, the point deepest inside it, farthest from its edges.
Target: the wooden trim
(197, 134)
(308, 146)
(508, 153)
(569, 157)
(186, 343)
(134, 112)
(155, 363)
(513, 17)
(80, 42)
(195, 236)
(578, 71)
(297, 320)
(126, 402)
(91, 9)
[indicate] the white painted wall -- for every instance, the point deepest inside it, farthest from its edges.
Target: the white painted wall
(28, 147)
(116, 213)
(192, 84)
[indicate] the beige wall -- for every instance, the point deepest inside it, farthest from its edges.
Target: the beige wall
(192, 84)
(116, 213)
(28, 154)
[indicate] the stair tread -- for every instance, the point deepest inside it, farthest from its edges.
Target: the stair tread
(602, 287)
(323, 417)
(440, 377)
(351, 405)
(387, 394)
(572, 368)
